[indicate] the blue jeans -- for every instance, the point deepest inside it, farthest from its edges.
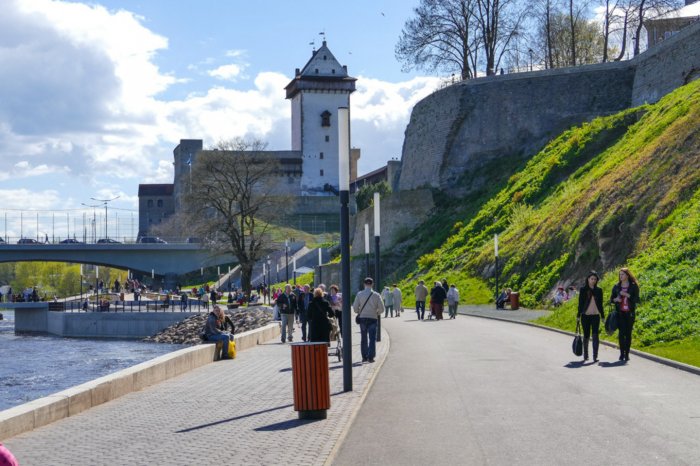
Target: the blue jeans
(223, 337)
(368, 337)
(420, 309)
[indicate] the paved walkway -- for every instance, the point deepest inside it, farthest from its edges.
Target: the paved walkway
(228, 412)
(474, 391)
(521, 315)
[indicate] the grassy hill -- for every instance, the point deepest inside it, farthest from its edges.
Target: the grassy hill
(620, 190)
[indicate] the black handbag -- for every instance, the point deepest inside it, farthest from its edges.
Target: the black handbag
(577, 345)
(611, 322)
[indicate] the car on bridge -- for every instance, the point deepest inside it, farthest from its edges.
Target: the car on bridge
(151, 240)
(71, 241)
(108, 241)
(27, 241)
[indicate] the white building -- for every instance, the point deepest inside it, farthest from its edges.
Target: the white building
(316, 92)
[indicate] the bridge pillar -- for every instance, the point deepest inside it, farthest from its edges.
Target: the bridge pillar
(170, 281)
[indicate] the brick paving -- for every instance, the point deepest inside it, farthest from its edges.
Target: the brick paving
(228, 412)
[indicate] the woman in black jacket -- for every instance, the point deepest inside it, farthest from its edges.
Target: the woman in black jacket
(590, 312)
(319, 312)
(625, 296)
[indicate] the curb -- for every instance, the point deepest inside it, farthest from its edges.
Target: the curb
(652, 357)
(74, 400)
(360, 402)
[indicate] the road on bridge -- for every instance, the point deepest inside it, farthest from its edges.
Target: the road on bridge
(477, 391)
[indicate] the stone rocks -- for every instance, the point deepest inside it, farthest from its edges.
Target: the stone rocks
(188, 331)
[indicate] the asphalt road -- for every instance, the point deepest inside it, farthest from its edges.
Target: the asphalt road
(476, 391)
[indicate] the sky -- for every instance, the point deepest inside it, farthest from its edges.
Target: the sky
(95, 95)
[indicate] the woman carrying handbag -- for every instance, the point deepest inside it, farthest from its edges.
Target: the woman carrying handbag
(590, 312)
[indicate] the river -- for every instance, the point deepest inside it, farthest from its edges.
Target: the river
(35, 366)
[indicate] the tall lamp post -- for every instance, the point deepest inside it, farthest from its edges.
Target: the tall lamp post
(294, 269)
(320, 271)
(531, 53)
(367, 250)
(286, 259)
(105, 201)
(344, 187)
(269, 290)
(495, 250)
(94, 219)
(377, 277)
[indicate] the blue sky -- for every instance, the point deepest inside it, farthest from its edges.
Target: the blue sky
(95, 95)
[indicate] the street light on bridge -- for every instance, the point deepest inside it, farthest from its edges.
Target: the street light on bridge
(94, 220)
(105, 202)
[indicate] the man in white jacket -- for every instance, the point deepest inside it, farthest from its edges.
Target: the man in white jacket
(397, 300)
(368, 306)
(452, 301)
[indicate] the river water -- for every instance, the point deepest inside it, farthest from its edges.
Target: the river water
(35, 366)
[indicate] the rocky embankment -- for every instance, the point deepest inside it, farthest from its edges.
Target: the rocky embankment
(187, 331)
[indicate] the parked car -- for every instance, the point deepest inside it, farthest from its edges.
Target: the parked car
(27, 241)
(151, 240)
(193, 239)
(108, 241)
(71, 241)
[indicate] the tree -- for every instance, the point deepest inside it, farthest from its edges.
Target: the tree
(440, 37)
(588, 42)
(499, 21)
(365, 194)
(231, 195)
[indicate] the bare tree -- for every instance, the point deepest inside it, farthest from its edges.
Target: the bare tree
(577, 12)
(440, 37)
(646, 9)
(499, 21)
(232, 194)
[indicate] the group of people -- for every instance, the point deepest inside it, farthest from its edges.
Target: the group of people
(316, 311)
(439, 293)
(624, 296)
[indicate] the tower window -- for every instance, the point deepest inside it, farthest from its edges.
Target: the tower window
(326, 118)
(333, 71)
(150, 203)
(324, 57)
(160, 203)
(321, 156)
(322, 172)
(316, 70)
(328, 138)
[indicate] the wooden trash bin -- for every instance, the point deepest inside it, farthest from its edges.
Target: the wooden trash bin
(312, 394)
(514, 301)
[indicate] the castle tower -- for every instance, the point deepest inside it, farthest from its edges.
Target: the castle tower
(316, 92)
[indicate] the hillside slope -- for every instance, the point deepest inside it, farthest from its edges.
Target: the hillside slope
(620, 190)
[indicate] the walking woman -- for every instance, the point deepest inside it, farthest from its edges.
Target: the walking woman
(625, 296)
(590, 312)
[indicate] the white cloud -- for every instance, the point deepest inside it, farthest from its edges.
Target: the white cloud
(227, 72)
(81, 105)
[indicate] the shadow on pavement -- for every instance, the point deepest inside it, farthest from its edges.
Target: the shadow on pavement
(613, 364)
(223, 421)
(575, 364)
(286, 425)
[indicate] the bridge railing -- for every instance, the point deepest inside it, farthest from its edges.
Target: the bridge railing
(192, 305)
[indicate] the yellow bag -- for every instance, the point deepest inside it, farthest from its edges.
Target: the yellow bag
(232, 349)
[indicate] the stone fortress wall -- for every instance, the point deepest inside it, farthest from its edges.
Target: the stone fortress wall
(458, 130)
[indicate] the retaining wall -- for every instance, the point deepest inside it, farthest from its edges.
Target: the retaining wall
(77, 399)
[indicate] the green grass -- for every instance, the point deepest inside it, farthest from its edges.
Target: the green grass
(621, 190)
(686, 351)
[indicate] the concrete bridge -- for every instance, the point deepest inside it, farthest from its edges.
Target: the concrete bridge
(162, 259)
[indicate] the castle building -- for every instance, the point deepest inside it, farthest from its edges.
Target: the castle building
(668, 24)
(308, 172)
(316, 93)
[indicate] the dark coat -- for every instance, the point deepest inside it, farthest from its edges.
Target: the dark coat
(319, 325)
(438, 295)
(634, 296)
(584, 299)
(304, 312)
(287, 304)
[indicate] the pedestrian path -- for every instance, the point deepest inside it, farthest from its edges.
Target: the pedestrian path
(481, 391)
(227, 412)
(521, 315)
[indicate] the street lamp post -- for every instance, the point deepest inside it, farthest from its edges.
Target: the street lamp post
(495, 249)
(367, 250)
(94, 219)
(344, 188)
(269, 291)
(286, 259)
(105, 201)
(294, 269)
(377, 274)
(531, 53)
(320, 270)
